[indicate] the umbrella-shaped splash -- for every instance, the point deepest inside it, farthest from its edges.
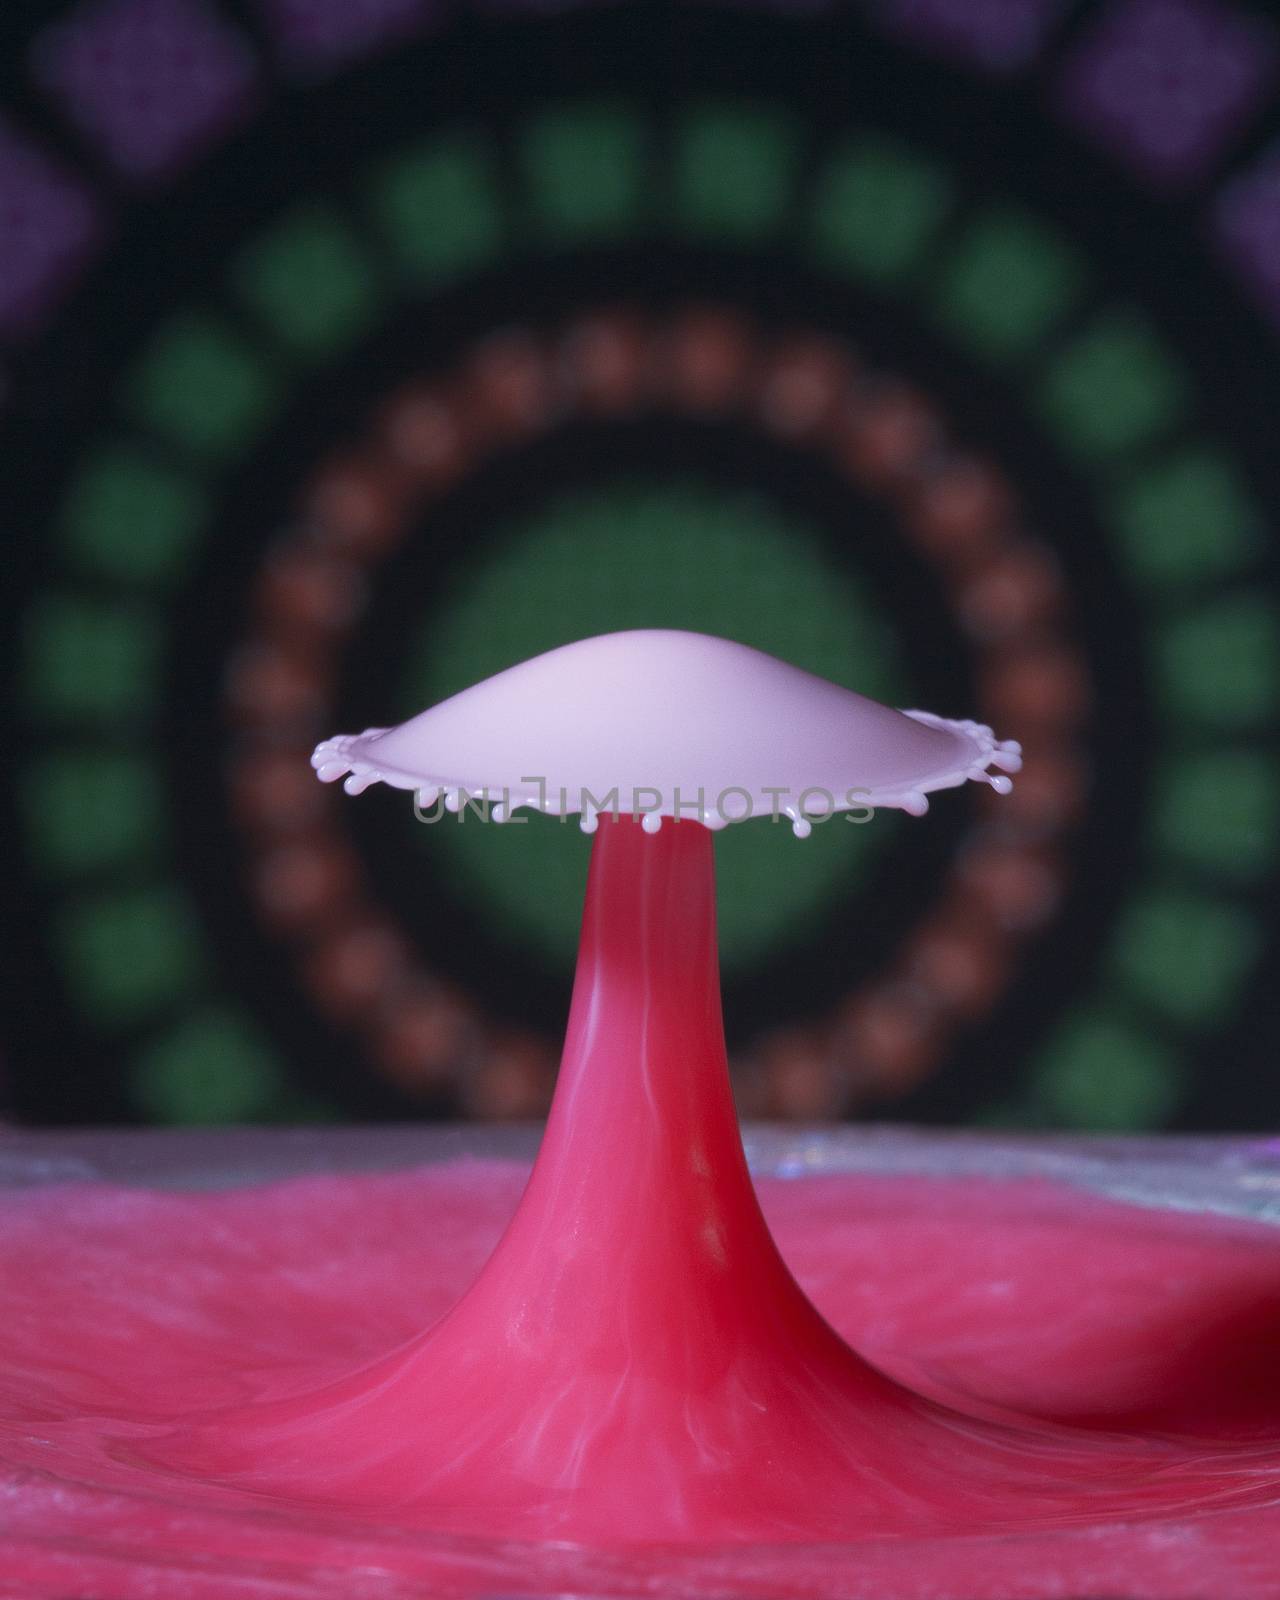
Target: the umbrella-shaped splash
(658, 723)
(635, 1362)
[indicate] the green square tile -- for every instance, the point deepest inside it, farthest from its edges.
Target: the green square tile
(1005, 285)
(585, 171)
(1221, 664)
(1102, 1072)
(1220, 813)
(309, 282)
(128, 955)
(439, 210)
(87, 810)
(212, 1067)
(1187, 519)
(877, 209)
(202, 386)
(1113, 388)
(90, 659)
(1183, 954)
(733, 171)
(129, 518)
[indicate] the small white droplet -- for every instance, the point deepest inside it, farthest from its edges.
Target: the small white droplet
(1008, 755)
(589, 821)
(652, 821)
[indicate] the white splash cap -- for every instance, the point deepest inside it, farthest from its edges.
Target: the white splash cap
(661, 723)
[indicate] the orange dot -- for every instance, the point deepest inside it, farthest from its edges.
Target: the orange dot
(888, 1040)
(355, 967)
(514, 1079)
(510, 388)
(275, 789)
(959, 961)
(607, 361)
(309, 590)
(960, 512)
(706, 362)
(271, 683)
(1010, 592)
(800, 1079)
(1047, 794)
(356, 506)
(300, 883)
(886, 433)
(1015, 883)
(1043, 686)
(423, 431)
(803, 383)
(425, 1038)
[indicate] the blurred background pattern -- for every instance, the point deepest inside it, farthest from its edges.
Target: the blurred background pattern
(351, 350)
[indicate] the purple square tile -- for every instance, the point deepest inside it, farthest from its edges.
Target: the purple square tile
(48, 224)
(996, 35)
(782, 8)
(1247, 225)
(540, 7)
(1164, 84)
(153, 81)
(325, 33)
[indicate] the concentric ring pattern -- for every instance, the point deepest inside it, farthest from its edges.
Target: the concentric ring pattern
(354, 351)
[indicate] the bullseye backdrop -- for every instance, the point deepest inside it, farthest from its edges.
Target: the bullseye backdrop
(355, 349)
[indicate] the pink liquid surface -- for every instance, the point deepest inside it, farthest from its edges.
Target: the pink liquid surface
(1052, 1395)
